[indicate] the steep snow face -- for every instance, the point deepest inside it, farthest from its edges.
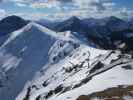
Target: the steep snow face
(25, 53)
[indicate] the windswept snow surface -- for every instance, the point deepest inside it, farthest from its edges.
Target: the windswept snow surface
(25, 53)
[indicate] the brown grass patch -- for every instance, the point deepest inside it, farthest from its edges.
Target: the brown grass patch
(115, 93)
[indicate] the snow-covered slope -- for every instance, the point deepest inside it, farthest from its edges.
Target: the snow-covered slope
(84, 71)
(25, 52)
(39, 64)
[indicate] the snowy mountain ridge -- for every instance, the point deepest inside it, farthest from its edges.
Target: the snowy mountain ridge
(27, 51)
(80, 71)
(40, 64)
(28, 27)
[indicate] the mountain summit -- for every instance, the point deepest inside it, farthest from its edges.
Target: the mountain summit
(11, 23)
(71, 24)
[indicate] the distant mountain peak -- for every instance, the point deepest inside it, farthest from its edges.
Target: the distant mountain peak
(73, 19)
(11, 24)
(113, 18)
(11, 19)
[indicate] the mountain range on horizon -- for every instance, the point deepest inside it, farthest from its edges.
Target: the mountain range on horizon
(105, 33)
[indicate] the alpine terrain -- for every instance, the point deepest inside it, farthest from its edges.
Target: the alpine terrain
(75, 59)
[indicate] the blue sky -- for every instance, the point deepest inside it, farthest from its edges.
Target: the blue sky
(57, 9)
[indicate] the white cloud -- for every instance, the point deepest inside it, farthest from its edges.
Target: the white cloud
(21, 4)
(2, 13)
(45, 4)
(68, 8)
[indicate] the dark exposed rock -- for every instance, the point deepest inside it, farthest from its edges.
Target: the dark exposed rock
(27, 94)
(127, 67)
(98, 66)
(45, 83)
(38, 98)
(58, 89)
(49, 94)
